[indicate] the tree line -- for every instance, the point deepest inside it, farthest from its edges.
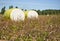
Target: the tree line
(48, 12)
(4, 9)
(43, 12)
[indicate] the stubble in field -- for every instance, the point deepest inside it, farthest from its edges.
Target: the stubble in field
(45, 28)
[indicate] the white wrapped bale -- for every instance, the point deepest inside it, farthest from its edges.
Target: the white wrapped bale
(31, 14)
(15, 14)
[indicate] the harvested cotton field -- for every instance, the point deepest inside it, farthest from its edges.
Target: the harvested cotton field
(45, 28)
(29, 20)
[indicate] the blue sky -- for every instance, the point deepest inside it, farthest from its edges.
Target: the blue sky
(31, 4)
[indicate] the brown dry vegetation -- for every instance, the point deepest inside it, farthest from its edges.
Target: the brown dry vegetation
(45, 28)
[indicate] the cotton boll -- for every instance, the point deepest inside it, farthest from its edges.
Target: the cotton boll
(47, 14)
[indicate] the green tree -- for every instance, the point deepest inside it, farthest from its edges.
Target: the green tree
(22, 9)
(10, 7)
(16, 7)
(39, 12)
(3, 10)
(25, 9)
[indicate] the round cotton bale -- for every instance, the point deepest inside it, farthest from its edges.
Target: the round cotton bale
(15, 14)
(26, 14)
(31, 14)
(7, 13)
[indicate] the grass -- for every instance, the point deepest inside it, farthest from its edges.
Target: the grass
(45, 28)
